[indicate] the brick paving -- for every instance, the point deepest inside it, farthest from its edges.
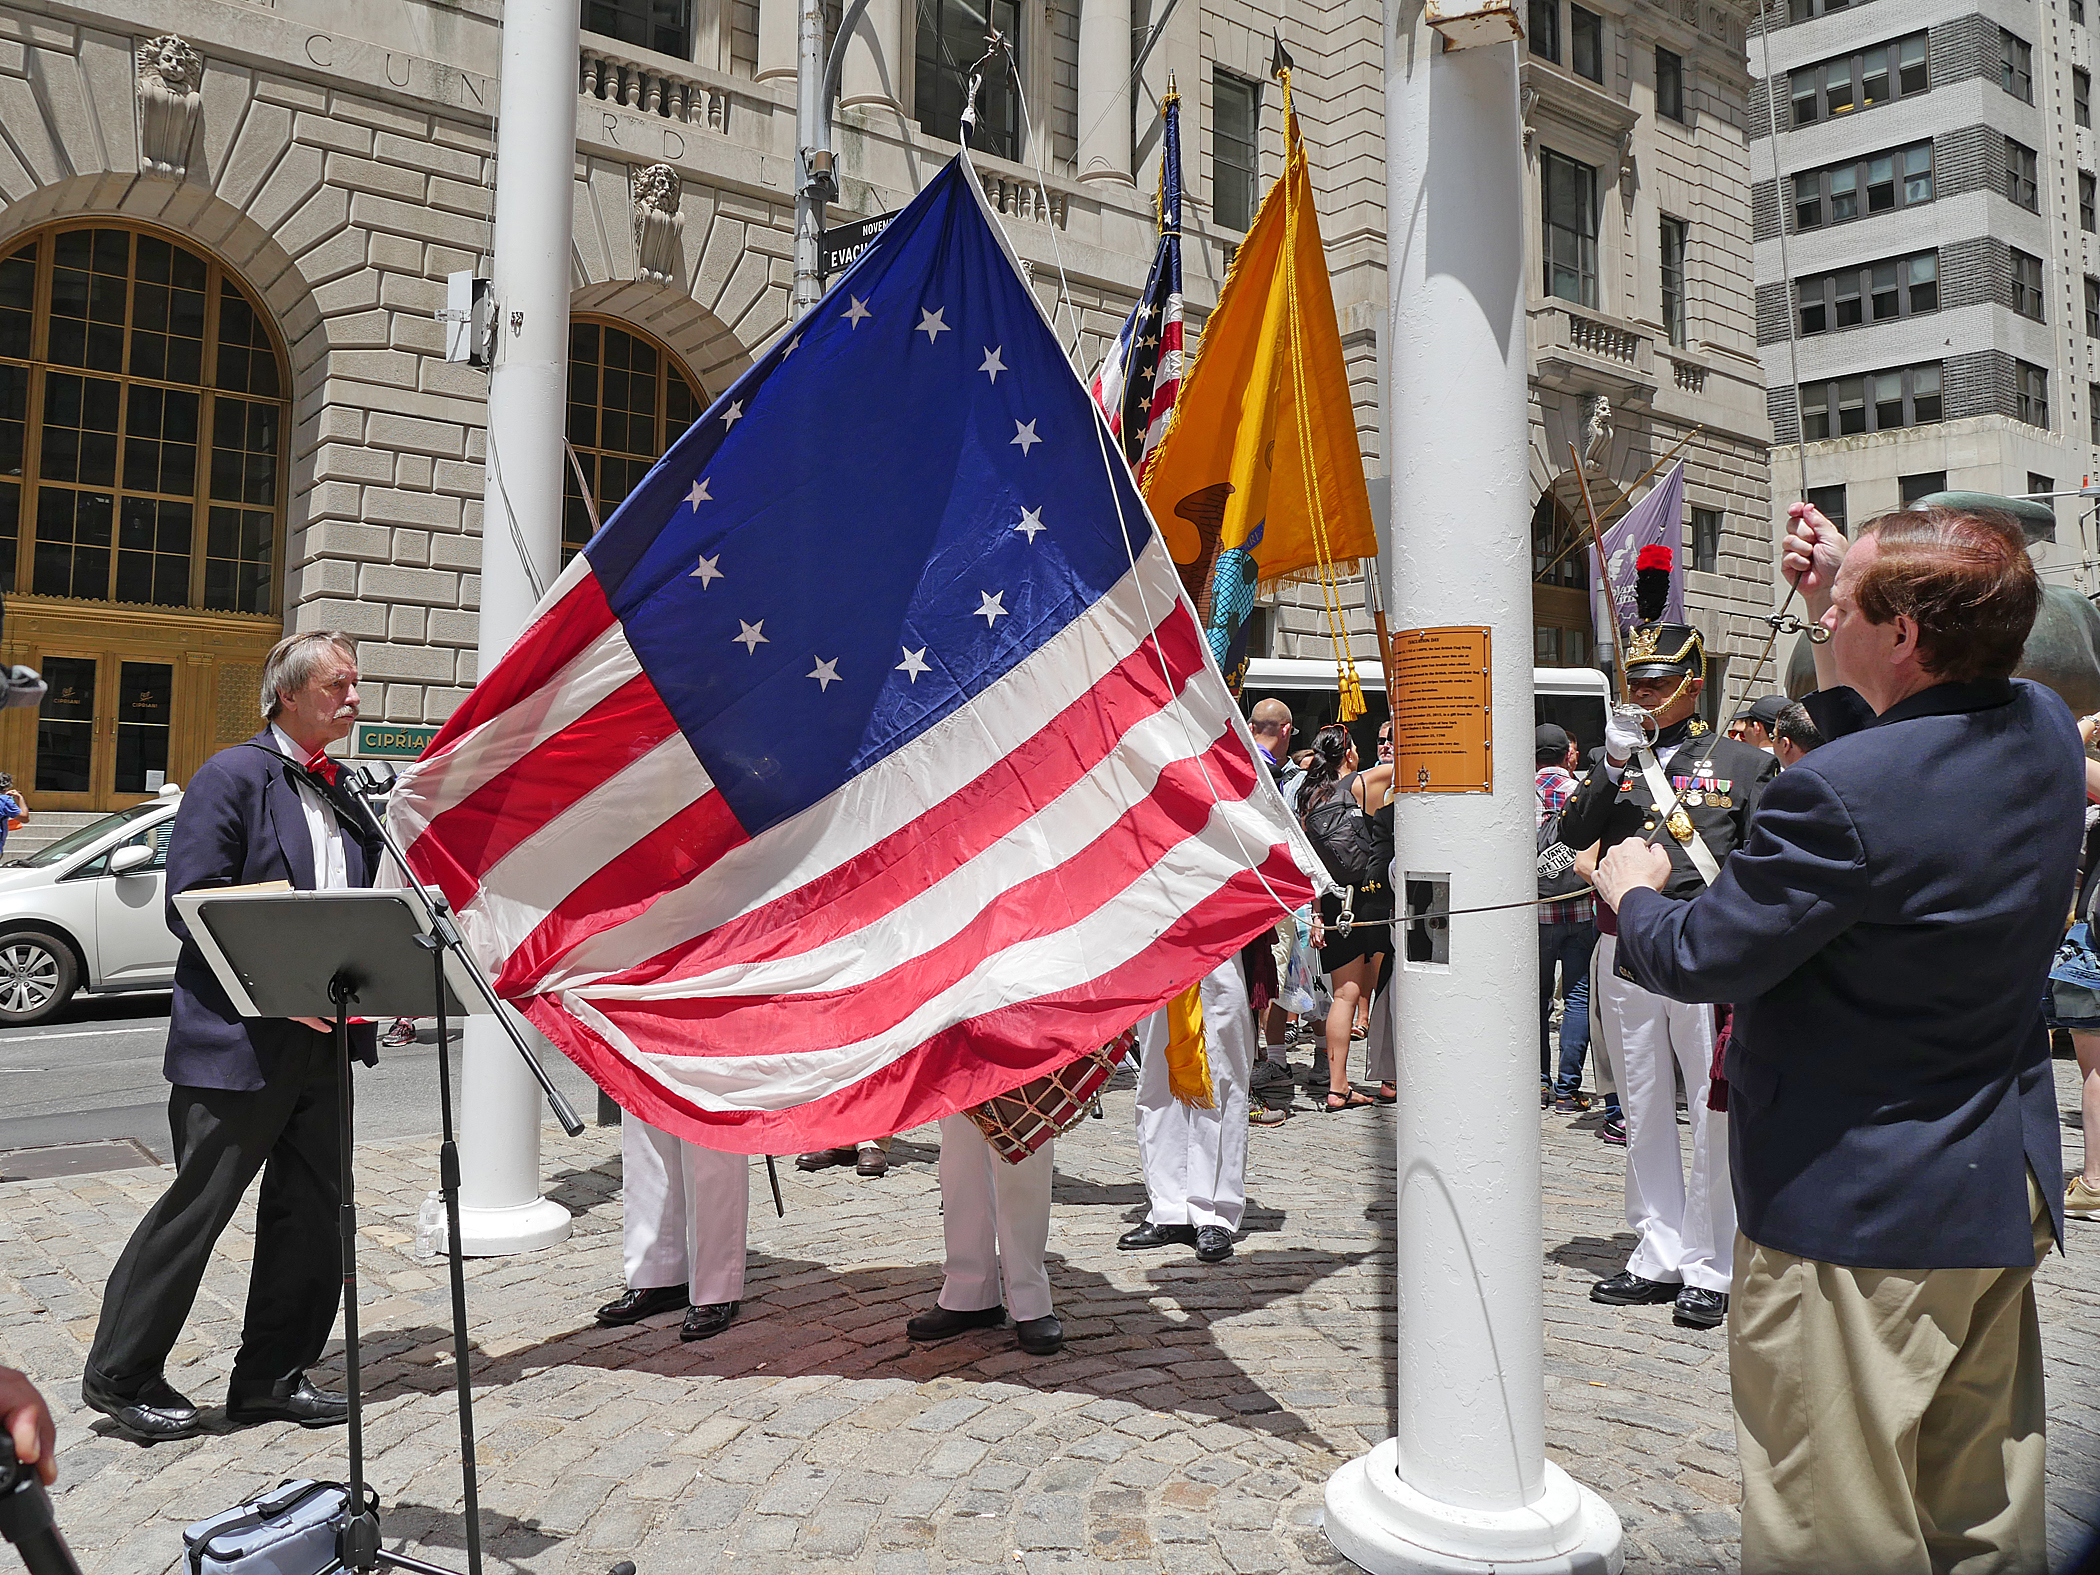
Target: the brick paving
(1188, 1426)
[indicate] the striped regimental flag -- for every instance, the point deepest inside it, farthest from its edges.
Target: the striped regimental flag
(1137, 380)
(869, 762)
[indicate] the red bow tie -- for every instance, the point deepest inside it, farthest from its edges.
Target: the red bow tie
(323, 765)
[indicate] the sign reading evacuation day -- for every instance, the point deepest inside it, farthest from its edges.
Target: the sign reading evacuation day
(1440, 711)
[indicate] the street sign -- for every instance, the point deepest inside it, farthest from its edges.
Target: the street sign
(839, 246)
(393, 741)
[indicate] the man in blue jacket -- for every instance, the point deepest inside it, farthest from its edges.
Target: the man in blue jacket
(249, 1095)
(1884, 934)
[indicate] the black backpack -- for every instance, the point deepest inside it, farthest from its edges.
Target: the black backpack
(1343, 836)
(1556, 862)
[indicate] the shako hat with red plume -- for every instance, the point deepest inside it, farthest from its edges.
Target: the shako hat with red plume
(1653, 647)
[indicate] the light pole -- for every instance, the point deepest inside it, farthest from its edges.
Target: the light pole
(501, 1209)
(1465, 1485)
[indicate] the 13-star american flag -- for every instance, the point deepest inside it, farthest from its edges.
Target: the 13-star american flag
(1141, 373)
(869, 761)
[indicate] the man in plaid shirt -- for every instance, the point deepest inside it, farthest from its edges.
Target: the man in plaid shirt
(1567, 936)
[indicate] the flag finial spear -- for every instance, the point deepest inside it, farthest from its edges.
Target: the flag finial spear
(1280, 61)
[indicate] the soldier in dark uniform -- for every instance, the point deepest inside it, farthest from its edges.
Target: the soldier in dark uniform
(1686, 1225)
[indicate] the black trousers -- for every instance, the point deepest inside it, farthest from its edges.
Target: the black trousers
(289, 1131)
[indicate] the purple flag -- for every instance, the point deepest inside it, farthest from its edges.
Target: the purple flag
(1657, 518)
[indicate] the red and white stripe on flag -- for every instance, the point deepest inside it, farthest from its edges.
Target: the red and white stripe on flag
(1018, 884)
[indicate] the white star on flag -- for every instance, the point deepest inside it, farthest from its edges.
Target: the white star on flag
(794, 344)
(1024, 434)
(1031, 523)
(854, 313)
(825, 673)
(993, 366)
(914, 663)
(733, 414)
(930, 324)
(751, 639)
(698, 495)
(707, 573)
(993, 609)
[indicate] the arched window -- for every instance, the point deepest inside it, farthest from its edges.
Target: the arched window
(142, 425)
(629, 400)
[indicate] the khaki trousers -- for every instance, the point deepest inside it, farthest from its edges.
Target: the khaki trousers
(1889, 1421)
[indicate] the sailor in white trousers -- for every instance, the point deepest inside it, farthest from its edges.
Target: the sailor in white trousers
(1196, 1159)
(682, 1238)
(995, 1221)
(1686, 1223)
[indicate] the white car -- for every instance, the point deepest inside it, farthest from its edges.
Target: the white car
(85, 913)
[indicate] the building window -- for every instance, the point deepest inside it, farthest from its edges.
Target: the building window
(2076, 10)
(950, 36)
(2039, 484)
(2092, 412)
(1906, 396)
(2015, 66)
(142, 426)
(665, 26)
(1923, 485)
(629, 400)
(1673, 279)
(1876, 184)
(2030, 394)
(2027, 285)
(1586, 43)
(2092, 307)
(1869, 292)
(1804, 10)
(2020, 183)
(1669, 85)
(1706, 540)
(2087, 201)
(1235, 141)
(1830, 503)
(1545, 30)
(2081, 96)
(1860, 81)
(1570, 202)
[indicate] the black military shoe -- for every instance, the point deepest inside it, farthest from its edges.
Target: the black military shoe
(646, 1302)
(290, 1399)
(944, 1323)
(704, 1323)
(1700, 1309)
(151, 1412)
(1043, 1336)
(1627, 1289)
(1213, 1244)
(1151, 1235)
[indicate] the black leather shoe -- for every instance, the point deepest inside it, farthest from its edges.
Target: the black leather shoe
(1151, 1235)
(152, 1412)
(633, 1306)
(1700, 1309)
(944, 1323)
(290, 1399)
(1627, 1289)
(1043, 1336)
(704, 1323)
(1213, 1244)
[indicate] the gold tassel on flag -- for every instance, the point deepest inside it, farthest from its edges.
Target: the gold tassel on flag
(1188, 1065)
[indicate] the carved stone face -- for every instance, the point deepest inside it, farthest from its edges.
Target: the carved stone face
(172, 61)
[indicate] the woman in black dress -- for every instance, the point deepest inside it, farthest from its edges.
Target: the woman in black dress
(1350, 961)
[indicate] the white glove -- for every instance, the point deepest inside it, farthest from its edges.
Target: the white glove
(1622, 736)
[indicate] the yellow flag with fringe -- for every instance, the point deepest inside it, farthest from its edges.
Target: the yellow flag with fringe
(1260, 479)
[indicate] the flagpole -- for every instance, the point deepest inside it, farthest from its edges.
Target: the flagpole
(1626, 497)
(1611, 602)
(1464, 1485)
(501, 1209)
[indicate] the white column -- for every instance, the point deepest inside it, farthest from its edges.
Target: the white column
(1465, 1486)
(874, 69)
(501, 1209)
(1104, 91)
(776, 38)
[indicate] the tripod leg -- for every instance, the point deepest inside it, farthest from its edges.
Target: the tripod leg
(448, 1184)
(360, 1539)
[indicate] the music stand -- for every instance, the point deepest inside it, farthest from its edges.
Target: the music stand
(317, 954)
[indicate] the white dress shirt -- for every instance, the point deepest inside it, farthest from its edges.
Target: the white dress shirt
(331, 869)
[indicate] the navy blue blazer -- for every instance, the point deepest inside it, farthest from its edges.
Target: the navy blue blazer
(240, 822)
(1884, 934)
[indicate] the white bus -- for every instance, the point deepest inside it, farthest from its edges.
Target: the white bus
(1573, 697)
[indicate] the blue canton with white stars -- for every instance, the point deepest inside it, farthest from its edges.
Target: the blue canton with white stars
(909, 494)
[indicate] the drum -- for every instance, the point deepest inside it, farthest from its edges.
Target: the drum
(1022, 1120)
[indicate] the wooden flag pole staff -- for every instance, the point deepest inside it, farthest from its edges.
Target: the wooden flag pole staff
(1611, 602)
(1671, 453)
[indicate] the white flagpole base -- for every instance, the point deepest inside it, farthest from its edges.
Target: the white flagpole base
(493, 1233)
(1379, 1523)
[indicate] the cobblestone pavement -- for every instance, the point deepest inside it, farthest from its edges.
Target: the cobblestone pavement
(1189, 1424)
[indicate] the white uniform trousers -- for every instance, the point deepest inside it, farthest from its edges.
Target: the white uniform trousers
(687, 1211)
(1196, 1160)
(1686, 1225)
(995, 1218)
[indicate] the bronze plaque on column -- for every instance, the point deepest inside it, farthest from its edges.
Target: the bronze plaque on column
(1440, 711)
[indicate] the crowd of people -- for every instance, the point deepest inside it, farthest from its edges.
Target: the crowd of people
(1797, 930)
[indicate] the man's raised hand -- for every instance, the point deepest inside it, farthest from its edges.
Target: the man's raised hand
(1810, 555)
